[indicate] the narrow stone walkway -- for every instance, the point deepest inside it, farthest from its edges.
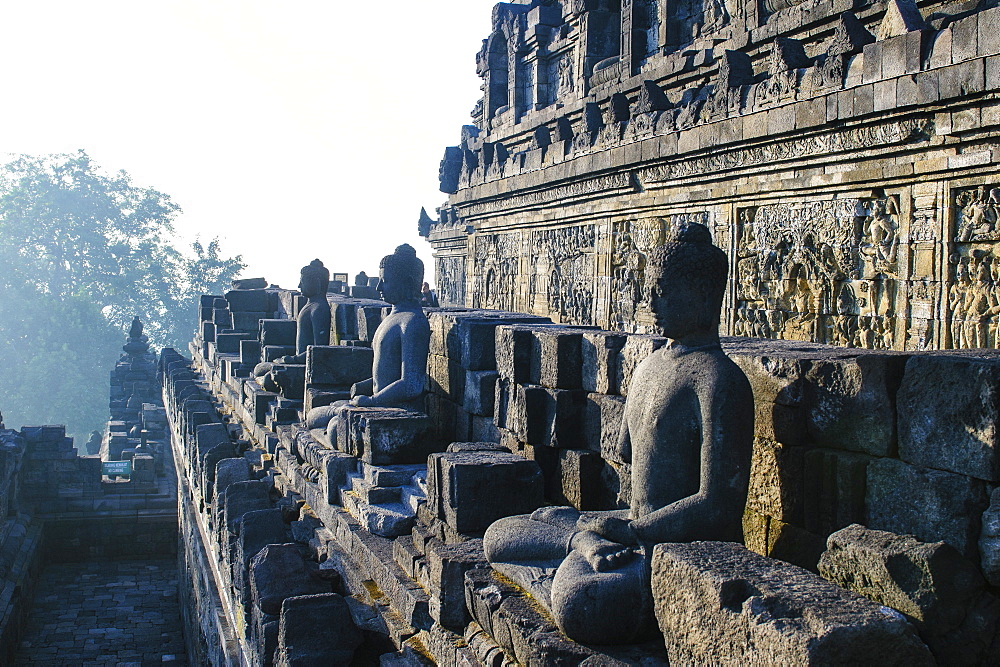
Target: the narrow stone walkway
(105, 613)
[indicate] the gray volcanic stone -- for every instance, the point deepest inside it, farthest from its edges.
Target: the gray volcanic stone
(259, 529)
(601, 354)
(850, 404)
(229, 471)
(316, 630)
(339, 365)
(949, 407)
(469, 490)
(248, 300)
(931, 505)
(717, 602)
(937, 588)
(279, 572)
(278, 333)
(517, 623)
(513, 351)
(243, 497)
(556, 361)
(989, 540)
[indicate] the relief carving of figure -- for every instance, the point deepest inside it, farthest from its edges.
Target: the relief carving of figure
(979, 212)
(880, 239)
(957, 294)
(688, 428)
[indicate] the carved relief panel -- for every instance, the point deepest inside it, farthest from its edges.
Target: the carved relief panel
(561, 278)
(974, 270)
(451, 280)
(824, 271)
(497, 257)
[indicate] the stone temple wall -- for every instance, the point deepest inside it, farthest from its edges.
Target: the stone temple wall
(842, 153)
(280, 529)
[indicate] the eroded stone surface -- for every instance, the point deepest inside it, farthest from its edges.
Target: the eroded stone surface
(717, 602)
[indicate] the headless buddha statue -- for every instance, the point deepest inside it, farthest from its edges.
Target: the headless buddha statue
(688, 429)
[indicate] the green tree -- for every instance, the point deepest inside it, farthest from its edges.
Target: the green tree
(81, 253)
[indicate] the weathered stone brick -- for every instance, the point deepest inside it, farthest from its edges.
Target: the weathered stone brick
(717, 602)
(948, 414)
(931, 505)
(470, 490)
(338, 365)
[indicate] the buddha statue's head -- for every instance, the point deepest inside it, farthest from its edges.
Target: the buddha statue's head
(685, 281)
(314, 279)
(400, 275)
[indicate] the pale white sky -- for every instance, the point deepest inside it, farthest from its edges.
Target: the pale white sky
(291, 129)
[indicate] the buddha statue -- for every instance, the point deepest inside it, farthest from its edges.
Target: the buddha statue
(312, 322)
(688, 430)
(401, 344)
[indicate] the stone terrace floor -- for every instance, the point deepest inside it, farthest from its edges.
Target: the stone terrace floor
(105, 613)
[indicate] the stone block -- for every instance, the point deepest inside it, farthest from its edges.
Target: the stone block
(948, 408)
(248, 300)
(937, 588)
(447, 565)
(556, 359)
(257, 401)
(229, 343)
(208, 332)
(962, 79)
(836, 483)
(717, 603)
(988, 43)
(291, 379)
(229, 471)
(222, 318)
(446, 377)
(932, 505)
(316, 630)
(278, 332)
(386, 436)
(469, 490)
(602, 420)
(470, 339)
(279, 572)
(250, 352)
(636, 348)
(258, 529)
(249, 322)
(243, 497)
(550, 417)
(776, 481)
(338, 365)
(318, 396)
(272, 352)
(480, 392)
(849, 402)
(794, 544)
(573, 477)
(516, 622)
(513, 352)
(369, 317)
(777, 391)
(989, 540)
(600, 352)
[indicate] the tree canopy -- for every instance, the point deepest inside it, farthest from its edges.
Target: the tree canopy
(81, 253)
